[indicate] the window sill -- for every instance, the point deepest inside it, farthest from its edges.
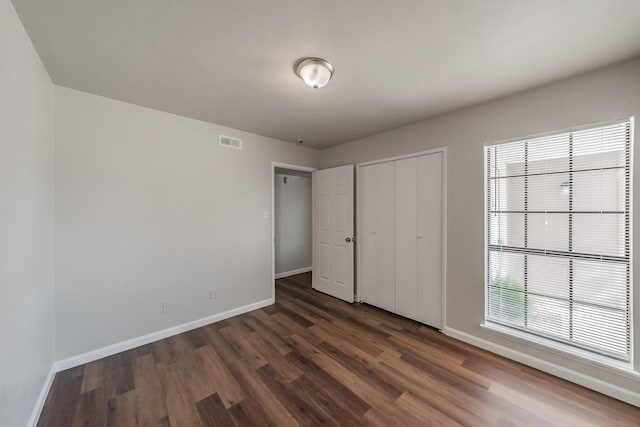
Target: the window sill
(603, 362)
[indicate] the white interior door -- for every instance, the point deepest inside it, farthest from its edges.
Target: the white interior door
(333, 232)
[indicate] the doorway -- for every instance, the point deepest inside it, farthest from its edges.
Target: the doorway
(292, 220)
(331, 228)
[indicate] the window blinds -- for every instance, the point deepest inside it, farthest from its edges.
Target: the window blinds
(558, 237)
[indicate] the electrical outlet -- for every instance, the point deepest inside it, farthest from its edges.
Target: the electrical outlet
(165, 307)
(212, 294)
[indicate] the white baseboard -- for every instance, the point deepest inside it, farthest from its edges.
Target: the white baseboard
(292, 272)
(90, 356)
(626, 395)
(42, 398)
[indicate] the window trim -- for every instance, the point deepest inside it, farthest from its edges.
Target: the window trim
(562, 349)
(530, 337)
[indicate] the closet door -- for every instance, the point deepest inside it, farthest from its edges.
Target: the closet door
(376, 235)
(430, 203)
(406, 246)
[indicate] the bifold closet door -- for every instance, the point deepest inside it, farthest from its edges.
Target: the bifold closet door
(406, 245)
(429, 222)
(376, 238)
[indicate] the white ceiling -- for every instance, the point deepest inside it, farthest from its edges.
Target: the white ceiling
(397, 61)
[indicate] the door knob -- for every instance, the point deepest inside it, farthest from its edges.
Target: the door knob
(347, 239)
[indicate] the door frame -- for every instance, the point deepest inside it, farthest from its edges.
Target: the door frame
(274, 166)
(442, 150)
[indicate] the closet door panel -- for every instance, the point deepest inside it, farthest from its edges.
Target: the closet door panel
(384, 234)
(406, 217)
(366, 234)
(430, 202)
(377, 255)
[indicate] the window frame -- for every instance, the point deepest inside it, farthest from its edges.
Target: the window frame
(529, 336)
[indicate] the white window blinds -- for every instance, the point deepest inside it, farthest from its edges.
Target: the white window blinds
(558, 237)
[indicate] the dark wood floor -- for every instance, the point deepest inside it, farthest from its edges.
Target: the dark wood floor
(313, 360)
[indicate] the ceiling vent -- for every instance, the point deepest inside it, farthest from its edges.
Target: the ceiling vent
(231, 142)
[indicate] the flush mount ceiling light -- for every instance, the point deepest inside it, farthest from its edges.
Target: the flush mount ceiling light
(315, 72)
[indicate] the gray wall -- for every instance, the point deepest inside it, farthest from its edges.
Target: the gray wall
(26, 222)
(606, 94)
(150, 209)
(293, 228)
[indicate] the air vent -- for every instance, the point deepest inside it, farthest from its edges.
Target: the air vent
(231, 142)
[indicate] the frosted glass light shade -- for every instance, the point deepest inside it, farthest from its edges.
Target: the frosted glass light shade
(315, 72)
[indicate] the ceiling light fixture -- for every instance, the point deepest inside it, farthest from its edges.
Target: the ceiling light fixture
(315, 72)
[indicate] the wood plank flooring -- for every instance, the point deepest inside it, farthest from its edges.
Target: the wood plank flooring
(313, 360)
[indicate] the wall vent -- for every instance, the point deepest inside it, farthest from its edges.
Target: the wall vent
(231, 142)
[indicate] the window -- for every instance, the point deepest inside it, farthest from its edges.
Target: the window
(558, 237)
